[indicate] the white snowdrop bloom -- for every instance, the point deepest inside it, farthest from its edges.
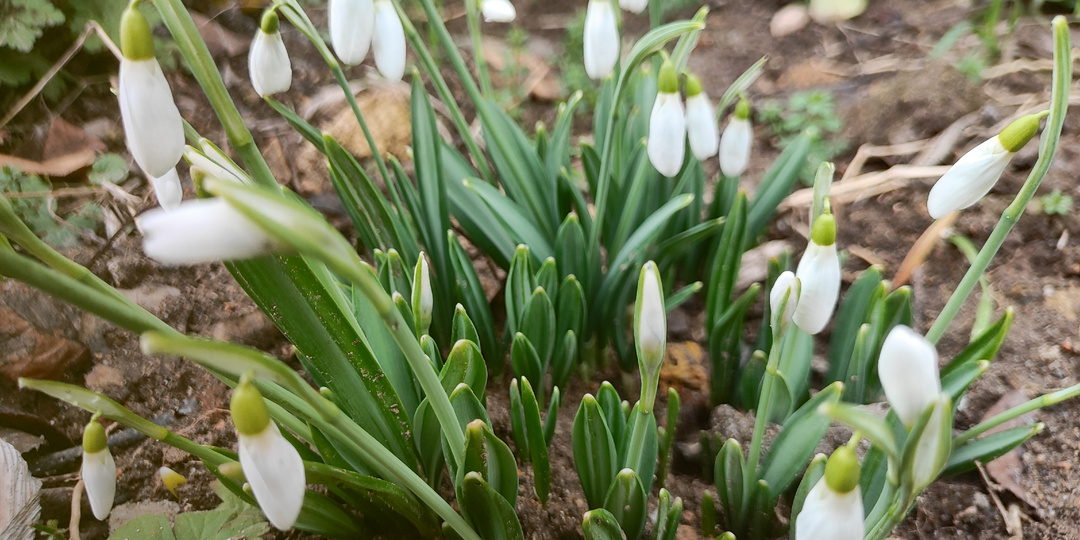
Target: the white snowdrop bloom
(152, 123)
(203, 230)
(601, 39)
(634, 6)
(271, 465)
(833, 509)
(388, 43)
(98, 470)
(701, 127)
(830, 11)
(168, 190)
(498, 11)
(352, 23)
(976, 172)
(785, 286)
(908, 369)
(736, 142)
(268, 61)
(666, 146)
(819, 277)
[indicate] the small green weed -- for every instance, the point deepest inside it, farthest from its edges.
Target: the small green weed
(32, 203)
(1054, 203)
(813, 111)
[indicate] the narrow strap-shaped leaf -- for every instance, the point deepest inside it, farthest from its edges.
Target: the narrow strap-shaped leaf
(594, 451)
(983, 347)
(599, 524)
(668, 516)
(513, 219)
(489, 456)
(570, 247)
(534, 432)
(557, 157)
(492, 517)
(471, 294)
(851, 314)
(729, 482)
(776, 184)
(627, 501)
(798, 438)
(988, 448)
(481, 225)
(552, 417)
(524, 361)
(538, 324)
(724, 267)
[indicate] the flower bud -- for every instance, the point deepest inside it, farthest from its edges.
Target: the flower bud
(650, 330)
(268, 61)
(98, 470)
(737, 141)
(422, 301)
(388, 41)
(783, 299)
(352, 23)
(976, 172)
(601, 39)
(701, 127)
(499, 11)
(634, 6)
(667, 125)
(819, 277)
(908, 369)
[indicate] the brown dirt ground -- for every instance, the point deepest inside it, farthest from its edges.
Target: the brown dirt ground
(887, 91)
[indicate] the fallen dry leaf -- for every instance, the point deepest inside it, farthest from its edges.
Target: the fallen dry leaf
(1007, 469)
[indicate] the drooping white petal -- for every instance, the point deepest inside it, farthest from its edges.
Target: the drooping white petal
(819, 277)
(667, 134)
(634, 6)
(830, 11)
(215, 164)
(99, 477)
(352, 23)
(786, 285)
(201, 231)
(268, 64)
(828, 515)
(499, 11)
(168, 190)
(969, 179)
(276, 474)
(735, 145)
(701, 126)
(152, 123)
(601, 39)
(388, 42)
(908, 369)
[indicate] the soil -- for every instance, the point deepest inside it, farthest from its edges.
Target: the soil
(888, 90)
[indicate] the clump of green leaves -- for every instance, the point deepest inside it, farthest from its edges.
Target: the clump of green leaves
(813, 112)
(30, 198)
(1054, 203)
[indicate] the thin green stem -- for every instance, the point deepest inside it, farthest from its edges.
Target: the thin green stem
(761, 413)
(637, 438)
(1059, 103)
(1044, 400)
(472, 15)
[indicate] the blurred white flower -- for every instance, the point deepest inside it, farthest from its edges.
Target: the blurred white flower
(268, 61)
(667, 125)
(601, 39)
(634, 6)
(352, 23)
(701, 127)
(168, 190)
(736, 142)
(499, 11)
(389, 41)
(908, 369)
(200, 231)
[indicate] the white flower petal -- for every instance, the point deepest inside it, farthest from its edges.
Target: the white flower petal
(932, 450)
(201, 231)
(819, 277)
(152, 123)
(601, 39)
(388, 44)
(967, 181)
(634, 6)
(498, 11)
(99, 477)
(828, 515)
(276, 474)
(701, 127)
(735, 145)
(667, 134)
(786, 284)
(168, 190)
(268, 64)
(214, 164)
(352, 23)
(829, 11)
(908, 369)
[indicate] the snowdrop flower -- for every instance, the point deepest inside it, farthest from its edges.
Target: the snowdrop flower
(833, 509)
(785, 289)
(499, 11)
(819, 277)
(389, 41)
(98, 470)
(271, 465)
(152, 123)
(268, 61)
(830, 11)
(908, 369)
(737, 141)
(650, 330)
(601, 39)
(352, 23)
(168, 190)
(634, 6)
(976, 172)
(700, 120)
(667, 124)
(203, 230)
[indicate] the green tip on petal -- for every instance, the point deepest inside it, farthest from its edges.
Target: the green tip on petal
(249, 412)
(136, 40)
(842, 470)
(693, 85)
(668, 81)
(93, 438)
(824, 231)
(742, 110)
(269, 22)
(1022, 130)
